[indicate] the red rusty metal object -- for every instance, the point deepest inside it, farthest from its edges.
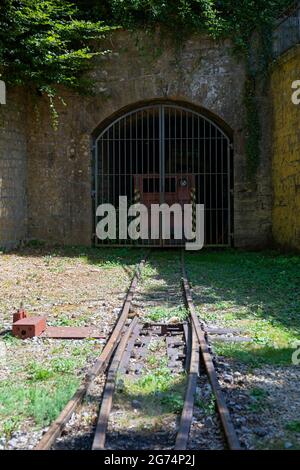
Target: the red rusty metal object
(72, 333)
(19, 315)
(29, 327)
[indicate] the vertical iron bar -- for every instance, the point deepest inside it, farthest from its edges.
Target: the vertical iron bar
(161, 163)
(216, 179)
(148, 142)
(229, 191)
(210, 183)
(222, 187)
(96, 187)
(181, 141)
(125, 155)
(206, 213)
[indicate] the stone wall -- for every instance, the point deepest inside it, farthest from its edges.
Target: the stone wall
(203, 73)
(13, 204)
(286, 151)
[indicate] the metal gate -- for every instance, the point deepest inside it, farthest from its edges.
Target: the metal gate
(151, 153)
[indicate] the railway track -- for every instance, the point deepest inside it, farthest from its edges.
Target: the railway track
(187, 349)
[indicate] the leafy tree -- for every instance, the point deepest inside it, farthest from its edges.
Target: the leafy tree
(44, 43)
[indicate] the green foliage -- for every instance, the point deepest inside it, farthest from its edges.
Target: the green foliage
(293, 426)
(173, 402)
(208, 405)
(259, 400)
(244, 290)
(186, 16)
(44, 43)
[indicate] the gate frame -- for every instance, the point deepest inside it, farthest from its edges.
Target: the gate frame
(186, 106)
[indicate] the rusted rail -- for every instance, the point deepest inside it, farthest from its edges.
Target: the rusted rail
(99, 367)
(188, 407)
(107, 399)
(229, 431)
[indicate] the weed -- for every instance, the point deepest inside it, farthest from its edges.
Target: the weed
(156, 345)
(259, 398)
(38, 372)
(158, 314)
(293, 426)
(173, 403)
(10, 425)
(207, 406)
(63, 365)
(46, 402)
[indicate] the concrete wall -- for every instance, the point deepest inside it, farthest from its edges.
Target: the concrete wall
(286, 151)
(203, 73)
(13, 204)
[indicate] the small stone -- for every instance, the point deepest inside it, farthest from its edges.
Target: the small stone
(245, 430)
(237, 374)
(260, 432)
(136, 404)
(240, 421)
(226, 365)
(288, 445)
(228, 378)
(237, 407)
(209, 423)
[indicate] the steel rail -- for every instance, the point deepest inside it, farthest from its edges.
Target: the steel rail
(107, 399)
(229, 431)
(189, 400)
(99, 367)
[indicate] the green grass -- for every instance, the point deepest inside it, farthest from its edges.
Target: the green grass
(65, 320)
(293, 426)
(257, 292)
(158, 314)
(259, 399)
(158, 389)
(208, 405)
(41, 402)
(255, 356)
(38, 390)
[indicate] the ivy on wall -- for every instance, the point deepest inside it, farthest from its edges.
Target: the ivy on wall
(45, 43)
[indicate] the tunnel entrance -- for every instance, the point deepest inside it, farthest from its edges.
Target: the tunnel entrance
(166, 153)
